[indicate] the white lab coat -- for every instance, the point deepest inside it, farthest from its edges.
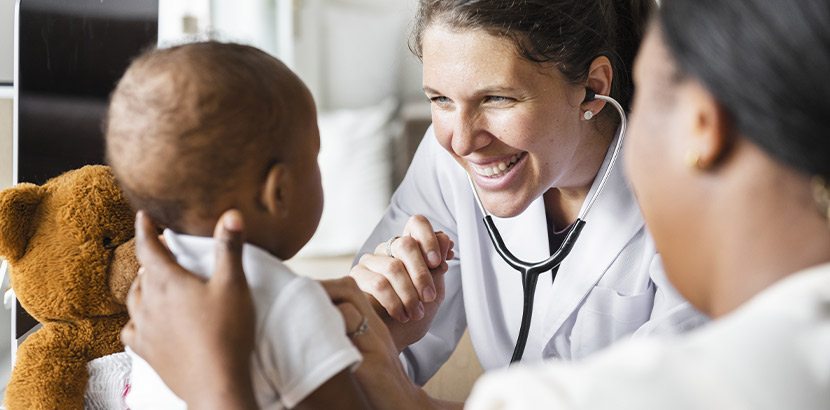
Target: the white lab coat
(771, 353)
(611, 285)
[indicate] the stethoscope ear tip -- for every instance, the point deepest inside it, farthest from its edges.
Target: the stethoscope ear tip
(590, 95)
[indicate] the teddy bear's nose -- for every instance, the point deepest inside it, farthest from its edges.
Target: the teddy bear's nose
(123, 270)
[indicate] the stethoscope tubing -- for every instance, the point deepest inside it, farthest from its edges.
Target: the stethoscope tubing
(530, 274)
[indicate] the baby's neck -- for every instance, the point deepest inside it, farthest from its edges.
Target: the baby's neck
(255, 233)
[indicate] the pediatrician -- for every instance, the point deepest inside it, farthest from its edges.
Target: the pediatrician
(508, 83)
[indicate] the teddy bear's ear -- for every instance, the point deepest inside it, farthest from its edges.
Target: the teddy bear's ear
(17, 209)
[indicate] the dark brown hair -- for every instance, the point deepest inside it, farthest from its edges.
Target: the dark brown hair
(766, 62)
(568, 33)
(190, 124)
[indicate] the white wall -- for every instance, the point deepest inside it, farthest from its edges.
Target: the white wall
(6, 40)
(353, 53)
(350, 53)
(6, 76)
(249, 22)
(5, 182)
(5, 142)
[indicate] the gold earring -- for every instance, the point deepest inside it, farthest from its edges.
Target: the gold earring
(693, 159)
(821, 194)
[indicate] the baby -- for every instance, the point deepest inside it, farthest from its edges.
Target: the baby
(201, 128)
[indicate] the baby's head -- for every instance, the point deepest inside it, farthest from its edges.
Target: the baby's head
(200, 128)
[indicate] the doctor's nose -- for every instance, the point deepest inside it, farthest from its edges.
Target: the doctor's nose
(468, 134)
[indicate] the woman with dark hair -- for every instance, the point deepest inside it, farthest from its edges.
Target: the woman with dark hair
(730, 108)
(508, 84)
(729, 154)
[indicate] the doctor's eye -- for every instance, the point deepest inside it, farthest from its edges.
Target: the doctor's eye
(498, 100)
(441, 101)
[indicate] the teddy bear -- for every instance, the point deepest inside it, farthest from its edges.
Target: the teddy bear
(72, 260)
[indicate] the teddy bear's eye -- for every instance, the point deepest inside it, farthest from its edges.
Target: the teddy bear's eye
(108, 243)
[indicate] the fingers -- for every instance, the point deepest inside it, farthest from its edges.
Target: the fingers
(345, 290)
(445, 244)
(133, 302)
(405, 282)
(419, 228)
(148, 248)
(229, 236)
(438, 278)
(416, 278)
(134, 294)
(351, 316)
(128, 334)
(407, 250)
(393, 288)
(355, 308)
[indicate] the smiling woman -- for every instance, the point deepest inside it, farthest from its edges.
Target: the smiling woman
(742, 144)
(501, 118)
(508, 83)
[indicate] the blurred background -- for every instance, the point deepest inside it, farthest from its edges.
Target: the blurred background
(353, 56)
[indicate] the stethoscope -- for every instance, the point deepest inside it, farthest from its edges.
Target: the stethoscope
(531, 271)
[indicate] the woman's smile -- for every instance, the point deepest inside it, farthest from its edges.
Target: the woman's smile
(496, 169)
(497, 174)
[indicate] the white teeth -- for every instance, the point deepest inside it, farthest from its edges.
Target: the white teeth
(498, 169)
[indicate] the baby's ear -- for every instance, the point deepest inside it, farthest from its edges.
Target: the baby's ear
(272, 197)
(17, 209)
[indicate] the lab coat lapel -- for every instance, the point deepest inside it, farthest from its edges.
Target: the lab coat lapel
(610, 225)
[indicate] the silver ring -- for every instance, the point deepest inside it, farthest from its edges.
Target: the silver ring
(389, 246)
(364, 326)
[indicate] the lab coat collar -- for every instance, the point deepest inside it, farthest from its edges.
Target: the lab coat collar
(610, 225)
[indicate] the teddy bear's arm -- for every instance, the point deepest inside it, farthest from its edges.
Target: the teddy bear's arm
(50, 372)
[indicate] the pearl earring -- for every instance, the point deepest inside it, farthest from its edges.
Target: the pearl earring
(588, 115)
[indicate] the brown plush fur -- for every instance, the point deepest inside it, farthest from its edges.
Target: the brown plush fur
(62, 244)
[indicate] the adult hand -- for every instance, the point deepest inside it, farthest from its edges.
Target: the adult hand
(381, 375)
(407, 288)
(197, 335)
